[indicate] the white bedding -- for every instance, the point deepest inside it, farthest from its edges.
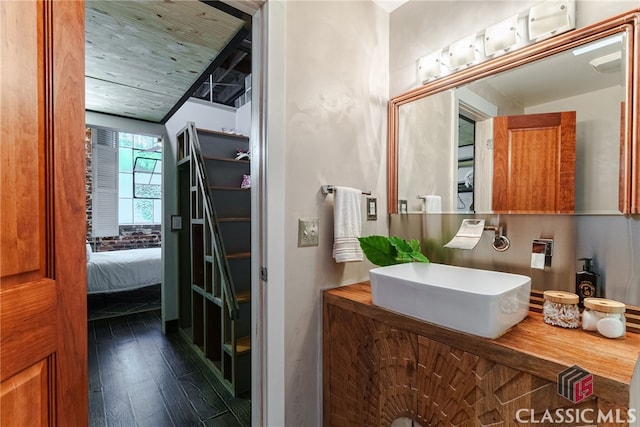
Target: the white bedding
(116, 271)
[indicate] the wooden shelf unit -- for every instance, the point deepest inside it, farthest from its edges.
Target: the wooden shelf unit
(215, 253)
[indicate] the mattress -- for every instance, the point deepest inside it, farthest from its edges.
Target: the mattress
(116, 271)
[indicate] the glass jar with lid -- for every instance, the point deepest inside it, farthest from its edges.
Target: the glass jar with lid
(604, 316)
(561, 309)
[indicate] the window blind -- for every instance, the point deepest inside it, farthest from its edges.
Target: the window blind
(105, 183)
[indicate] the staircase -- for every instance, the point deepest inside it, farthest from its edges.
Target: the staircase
(215, 253)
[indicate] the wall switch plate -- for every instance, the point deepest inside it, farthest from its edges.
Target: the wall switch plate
(402, 206)
(372, 208)
(176, 222)
(307, 232)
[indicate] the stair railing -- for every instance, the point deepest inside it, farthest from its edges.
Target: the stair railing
(228, 289)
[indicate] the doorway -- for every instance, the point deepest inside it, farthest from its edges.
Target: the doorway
(171, 306)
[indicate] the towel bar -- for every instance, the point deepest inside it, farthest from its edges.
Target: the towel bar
(326, 189)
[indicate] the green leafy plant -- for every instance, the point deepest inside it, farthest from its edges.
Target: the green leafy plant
(383, 251)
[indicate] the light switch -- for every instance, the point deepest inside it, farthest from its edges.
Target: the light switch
(402, 206)
(307, 232)
(372, 208)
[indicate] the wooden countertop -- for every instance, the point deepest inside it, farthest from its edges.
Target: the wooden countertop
(531, 346)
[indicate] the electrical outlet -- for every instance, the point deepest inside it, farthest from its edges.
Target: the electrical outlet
(307, 232)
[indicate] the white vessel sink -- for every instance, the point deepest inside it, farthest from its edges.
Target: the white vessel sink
(479, 302)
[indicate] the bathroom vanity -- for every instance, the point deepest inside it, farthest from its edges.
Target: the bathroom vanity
(380, 366)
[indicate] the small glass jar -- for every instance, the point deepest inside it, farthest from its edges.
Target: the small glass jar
(561, 309)
(604, 316)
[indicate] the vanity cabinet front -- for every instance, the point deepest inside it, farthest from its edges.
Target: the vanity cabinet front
(378, 372)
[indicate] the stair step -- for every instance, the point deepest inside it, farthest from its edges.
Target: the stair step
(237, 219)
(202, 132)
(223, 188)
(244, 296)
(224, 159)
(239, 255)
(243, 346)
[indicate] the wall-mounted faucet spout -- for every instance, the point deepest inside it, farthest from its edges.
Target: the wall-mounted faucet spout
(500, 242)
(471, 231)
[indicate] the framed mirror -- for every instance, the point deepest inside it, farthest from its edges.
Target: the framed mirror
(447, 138)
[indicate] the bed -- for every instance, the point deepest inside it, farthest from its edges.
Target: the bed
(125, 270)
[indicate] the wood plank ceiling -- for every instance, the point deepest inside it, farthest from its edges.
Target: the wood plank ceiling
(144, 58)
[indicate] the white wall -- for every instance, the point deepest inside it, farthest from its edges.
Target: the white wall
(204, 114)
(428, 151)
(243, 119)
(326, 95)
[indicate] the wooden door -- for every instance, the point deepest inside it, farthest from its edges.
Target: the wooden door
(534, 163)
(43, 321)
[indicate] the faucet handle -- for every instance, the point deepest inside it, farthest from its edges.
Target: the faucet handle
(541, 253)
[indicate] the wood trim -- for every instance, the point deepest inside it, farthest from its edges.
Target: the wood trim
(632, 150)
(624, 198)
(326, 363)
(632, 316)
(531, 346)
(628, 21)
(393, 116)
(66, 127)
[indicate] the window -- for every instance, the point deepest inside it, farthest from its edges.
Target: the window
(127, 180)
(139, 179)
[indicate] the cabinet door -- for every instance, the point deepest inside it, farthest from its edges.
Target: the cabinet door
(534, 163)
(369, 370)
(460, 388)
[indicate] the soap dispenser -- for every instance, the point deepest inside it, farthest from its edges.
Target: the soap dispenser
(587, 285)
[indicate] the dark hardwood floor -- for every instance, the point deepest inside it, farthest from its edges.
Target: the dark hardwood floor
(140, 377)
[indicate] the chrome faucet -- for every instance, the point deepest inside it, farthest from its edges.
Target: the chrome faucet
(500, 242)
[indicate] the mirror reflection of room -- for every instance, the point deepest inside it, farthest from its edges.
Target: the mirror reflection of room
(466, 150)
(589, 79)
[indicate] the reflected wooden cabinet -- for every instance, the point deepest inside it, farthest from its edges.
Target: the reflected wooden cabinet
(534, 163)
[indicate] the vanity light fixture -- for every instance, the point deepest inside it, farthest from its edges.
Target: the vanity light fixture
(430, 66)
(540, 22)
(550, 18)
(463, 52)
(501, 37)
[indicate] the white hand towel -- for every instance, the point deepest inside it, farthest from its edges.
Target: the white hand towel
(347, 224)
(431, 204)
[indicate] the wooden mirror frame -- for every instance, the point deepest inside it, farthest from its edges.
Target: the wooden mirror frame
(629, 191)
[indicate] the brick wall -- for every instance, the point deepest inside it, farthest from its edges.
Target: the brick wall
(131, 236)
